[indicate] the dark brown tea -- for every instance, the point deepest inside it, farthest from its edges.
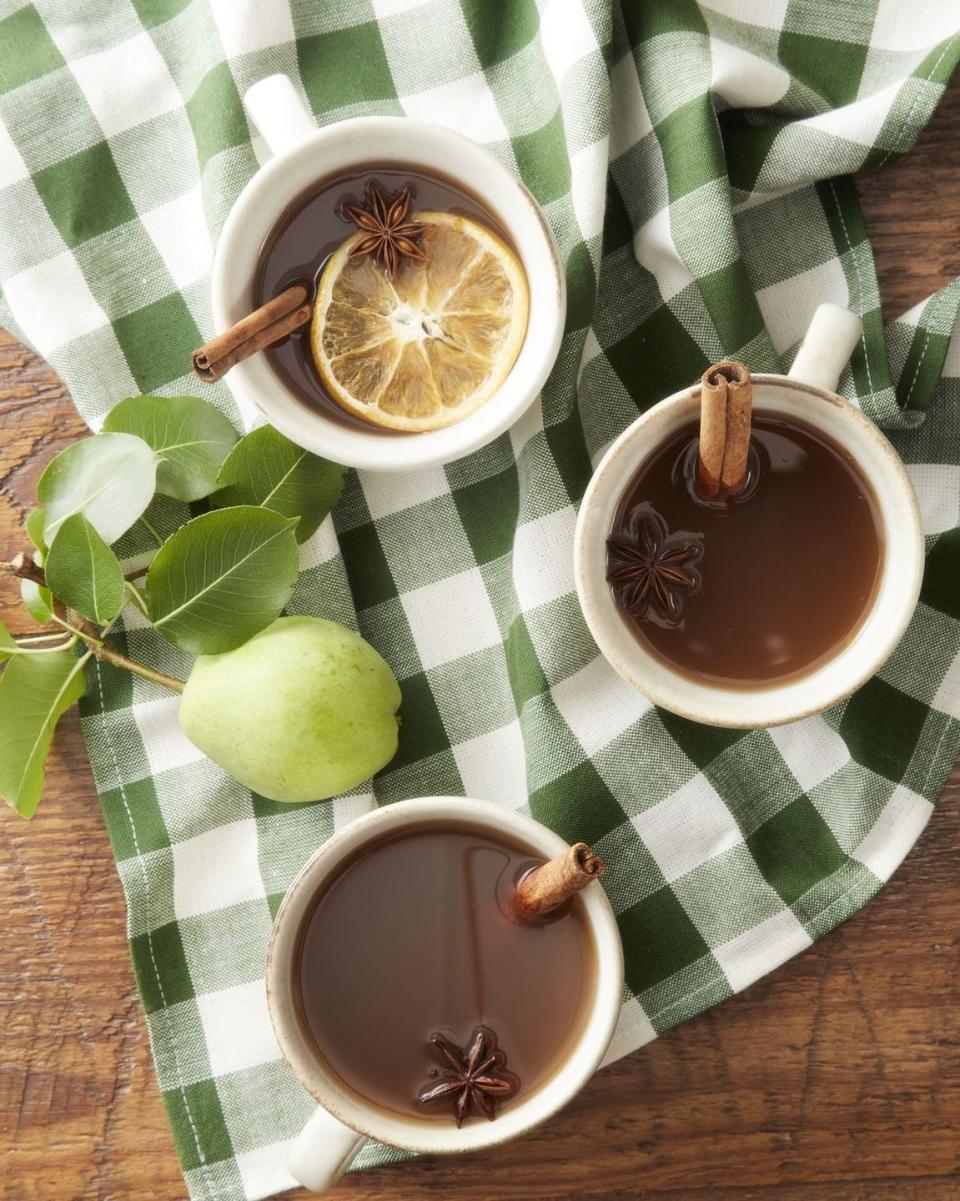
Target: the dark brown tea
(761, 587)
(411, 940)
(309, 232)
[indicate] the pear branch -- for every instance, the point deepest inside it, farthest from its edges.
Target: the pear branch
(24, 568)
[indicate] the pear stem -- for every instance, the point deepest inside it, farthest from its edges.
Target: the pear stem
(109, 655)
(24, 569)
(105, 652)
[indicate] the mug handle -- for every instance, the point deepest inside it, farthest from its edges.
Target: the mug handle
(322, 1151)
(827, 345)
(277, 110)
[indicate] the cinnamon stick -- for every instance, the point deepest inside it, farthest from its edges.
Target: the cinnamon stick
(726, 404)
(268, 324)
(547, 887)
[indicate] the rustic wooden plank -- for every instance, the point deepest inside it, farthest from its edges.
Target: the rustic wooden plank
(836, 1079)
(912, 208)
(80, 1112)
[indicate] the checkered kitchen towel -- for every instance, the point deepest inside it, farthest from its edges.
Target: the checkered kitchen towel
(687, 157)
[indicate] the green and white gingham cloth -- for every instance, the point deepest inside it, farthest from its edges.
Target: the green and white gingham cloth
(692, 161)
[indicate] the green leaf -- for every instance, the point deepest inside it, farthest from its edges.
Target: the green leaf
(190, 435)
(268, 470)
(37, 599)
(84, 572)
(222, 578)
(35, 690)
(109, 478)
(6, 640)
(34, 524)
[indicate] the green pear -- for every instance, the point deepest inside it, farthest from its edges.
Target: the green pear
(303, 711)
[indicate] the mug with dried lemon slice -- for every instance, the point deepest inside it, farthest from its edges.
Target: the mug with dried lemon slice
(382, 369)
(428, 345)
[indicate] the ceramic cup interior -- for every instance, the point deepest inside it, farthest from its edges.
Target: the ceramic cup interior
(438, 1136)
(768, 705)
(313, 154)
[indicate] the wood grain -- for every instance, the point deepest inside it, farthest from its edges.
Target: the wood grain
(835, 1079)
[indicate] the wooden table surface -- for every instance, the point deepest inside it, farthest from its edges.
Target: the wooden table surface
(835, 1079)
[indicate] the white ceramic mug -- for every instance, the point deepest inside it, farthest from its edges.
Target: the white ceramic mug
(334, 1135)
(808, 395)
(302, 156)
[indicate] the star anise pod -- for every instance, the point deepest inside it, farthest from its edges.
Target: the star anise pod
(653, 572)
(474, 1078)
(388, 234)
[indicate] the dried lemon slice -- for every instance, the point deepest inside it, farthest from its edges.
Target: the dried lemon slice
(430, 346)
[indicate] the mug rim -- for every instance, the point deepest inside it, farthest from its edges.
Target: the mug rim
(705, 701)
(376, 1122)
(258, 385)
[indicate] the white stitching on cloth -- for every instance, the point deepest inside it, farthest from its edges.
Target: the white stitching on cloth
(916, 374)
(905, 127)
(936, 754)
(153, 960)
(687, 995)
(860, 288)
